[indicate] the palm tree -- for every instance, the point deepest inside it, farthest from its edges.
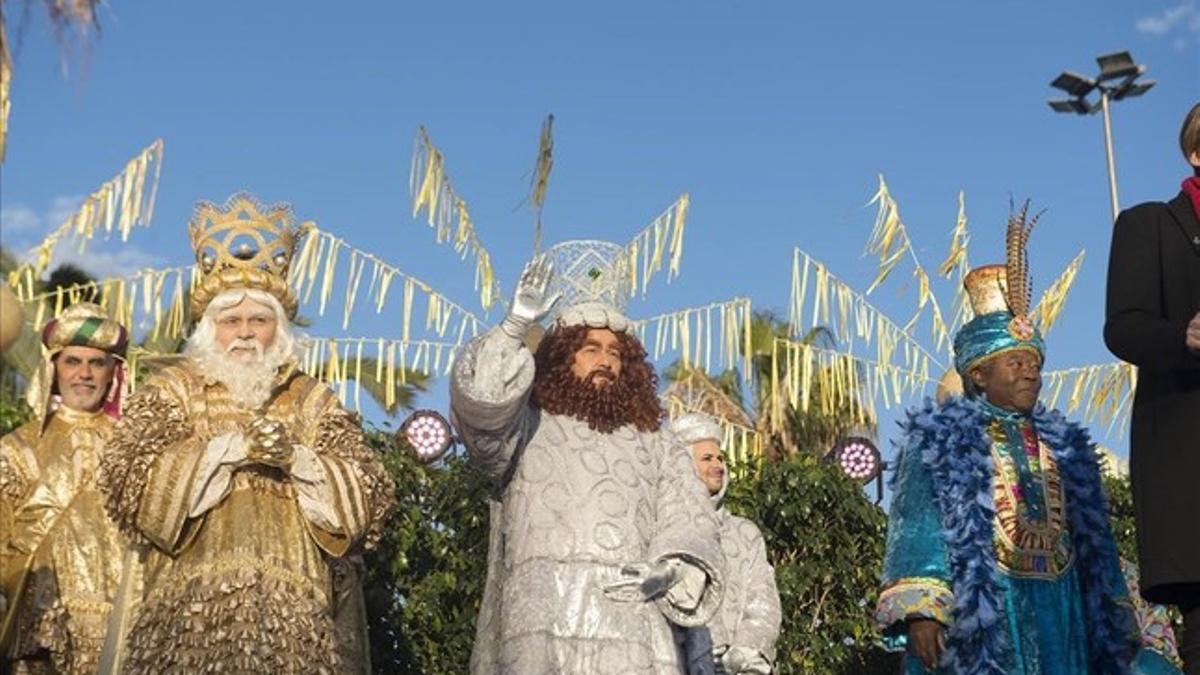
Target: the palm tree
(723, 395)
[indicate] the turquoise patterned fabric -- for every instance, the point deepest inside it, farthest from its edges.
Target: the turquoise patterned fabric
(987, 334)
(1045, 618)
(1046, 622)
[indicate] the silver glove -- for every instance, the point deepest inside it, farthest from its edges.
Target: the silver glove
(643, 582)
(530, 302)
(735, 660)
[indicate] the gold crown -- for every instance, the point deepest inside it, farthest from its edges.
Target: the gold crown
(987, 288)
(1007, 287)
(244, 245)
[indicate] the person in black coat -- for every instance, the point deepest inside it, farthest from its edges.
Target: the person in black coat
(1153, 322)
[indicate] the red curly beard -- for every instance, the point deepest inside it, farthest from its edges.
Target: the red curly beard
(632, 398)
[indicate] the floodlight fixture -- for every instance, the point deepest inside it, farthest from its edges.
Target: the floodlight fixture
(428, 434)
(1117, 81)
(1069, 105)
(1073, 83)
(1134, 91)
(1117, 65)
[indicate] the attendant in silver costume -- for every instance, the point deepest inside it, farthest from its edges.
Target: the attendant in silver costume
(740, 639)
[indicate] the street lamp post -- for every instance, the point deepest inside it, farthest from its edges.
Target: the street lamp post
(1116, 67)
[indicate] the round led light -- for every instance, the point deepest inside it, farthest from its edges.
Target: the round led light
(428, 434)
(858, 458)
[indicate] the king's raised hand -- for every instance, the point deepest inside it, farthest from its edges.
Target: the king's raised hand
(531, 300)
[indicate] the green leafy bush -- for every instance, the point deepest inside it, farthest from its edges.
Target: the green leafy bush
(13, 413)
(425, 580)
(826, 541)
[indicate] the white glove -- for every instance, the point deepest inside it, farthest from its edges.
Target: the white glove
(530, 303)
(734, 660)
(642, 582)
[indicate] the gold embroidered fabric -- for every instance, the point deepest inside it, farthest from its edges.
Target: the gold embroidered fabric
(60, 555)
(249, 584)
(1029, 545)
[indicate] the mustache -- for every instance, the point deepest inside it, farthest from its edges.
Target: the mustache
(601, 372)
(251, 344)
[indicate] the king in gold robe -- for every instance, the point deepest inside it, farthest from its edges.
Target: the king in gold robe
(245, 480)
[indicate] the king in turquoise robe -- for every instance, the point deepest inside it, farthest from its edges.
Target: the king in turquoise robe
(999, 531)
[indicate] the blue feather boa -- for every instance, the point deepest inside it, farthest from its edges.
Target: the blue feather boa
(953, 443)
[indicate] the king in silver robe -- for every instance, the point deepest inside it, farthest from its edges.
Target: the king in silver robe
(602, 536)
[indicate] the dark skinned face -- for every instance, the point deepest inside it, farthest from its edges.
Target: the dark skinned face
(1011, 380)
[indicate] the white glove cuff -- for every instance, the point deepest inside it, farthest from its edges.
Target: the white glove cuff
(515, 327)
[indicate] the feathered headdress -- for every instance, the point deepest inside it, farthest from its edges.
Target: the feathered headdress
(1000, 297)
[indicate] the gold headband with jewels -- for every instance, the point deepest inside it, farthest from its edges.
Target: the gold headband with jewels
(244, 245)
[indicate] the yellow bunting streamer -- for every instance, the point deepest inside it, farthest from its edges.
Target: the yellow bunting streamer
(119, 204)
(118, 295)
(686, 333)
(342, 363)
(855, 319)
(804, 375)
(445, 212)
(310, 271)
(662, 238)
(541, 178)
(890, 241)
(1100, 393)
(1055, 297)
(317, 266)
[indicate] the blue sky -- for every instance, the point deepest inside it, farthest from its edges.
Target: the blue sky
(776, 117)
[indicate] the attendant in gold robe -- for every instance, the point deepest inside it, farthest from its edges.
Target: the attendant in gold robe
(61, 557)
(246, 478)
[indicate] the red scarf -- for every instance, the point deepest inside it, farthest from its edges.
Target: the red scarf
(1192, 187)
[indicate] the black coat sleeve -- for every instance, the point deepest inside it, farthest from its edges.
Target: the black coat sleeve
(1134, 327)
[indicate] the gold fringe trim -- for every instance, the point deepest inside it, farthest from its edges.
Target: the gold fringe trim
(804, 376)
(663, 237)
(246, 621)
(850, 316)
(118, 204)
(1101, 393)
(689, 333)
(445, 211)
(1055, 297)
(890, 241)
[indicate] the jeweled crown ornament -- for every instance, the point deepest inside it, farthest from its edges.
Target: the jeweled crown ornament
(1007, 287)
(1000, 297)
(243, 244)
(595, 281)
(591, 271)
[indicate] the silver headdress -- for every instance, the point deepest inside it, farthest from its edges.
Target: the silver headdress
(695, 427)
(594, 278)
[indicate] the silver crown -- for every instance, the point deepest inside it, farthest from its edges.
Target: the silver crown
(590, 271)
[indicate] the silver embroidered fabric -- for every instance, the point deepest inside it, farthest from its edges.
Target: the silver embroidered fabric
(571, 507)
(750, 615)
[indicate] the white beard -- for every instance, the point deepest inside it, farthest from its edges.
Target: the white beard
(249, 381)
